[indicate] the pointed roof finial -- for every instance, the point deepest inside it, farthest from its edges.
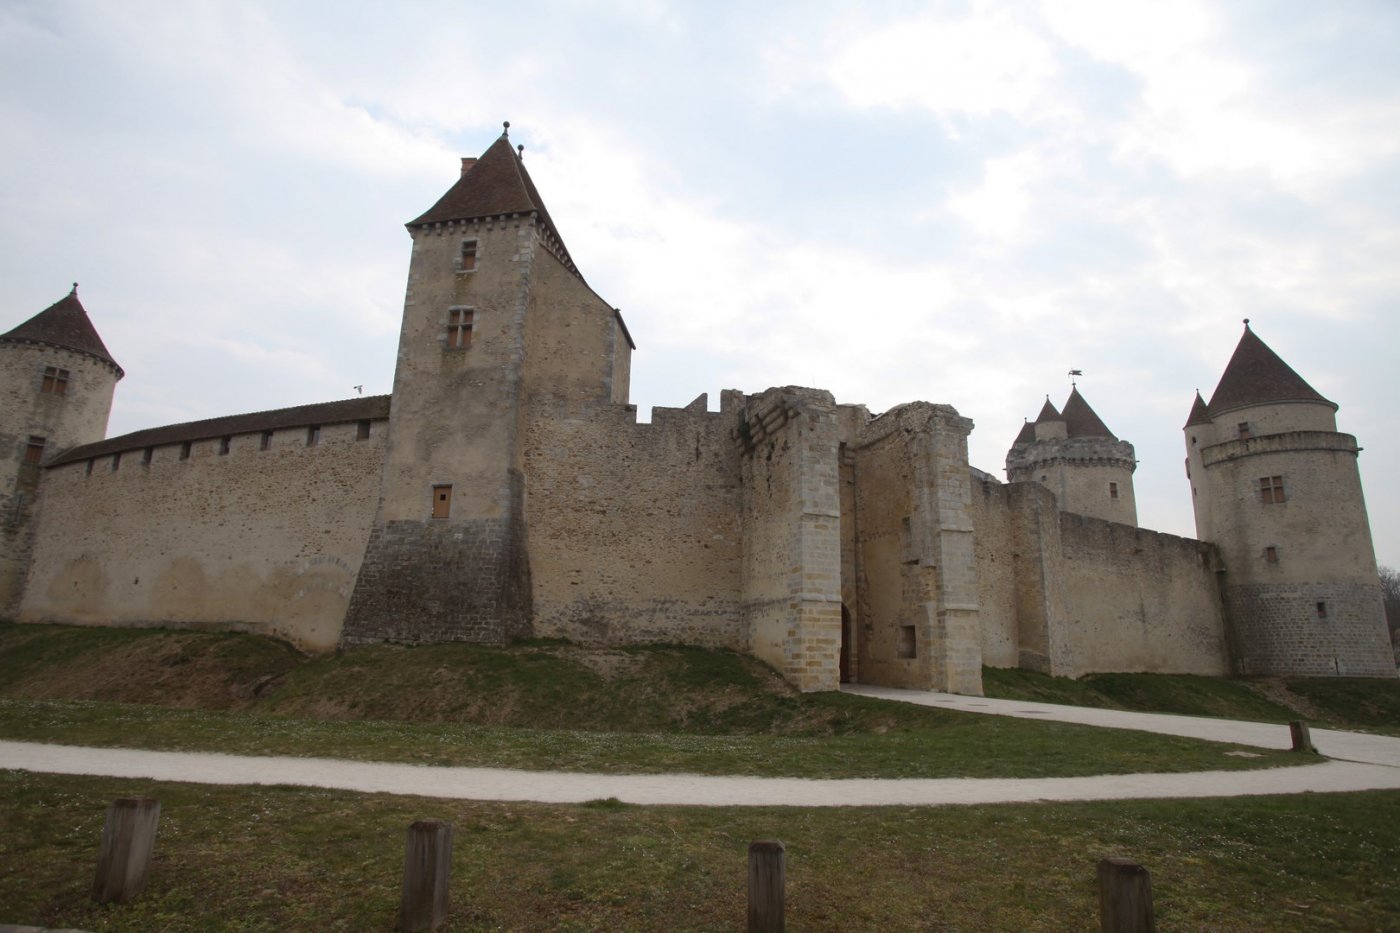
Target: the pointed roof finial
(520, 152)
(1246, 322)
(505, 124)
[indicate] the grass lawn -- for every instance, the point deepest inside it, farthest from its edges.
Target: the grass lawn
(925, 743)
(282, 858)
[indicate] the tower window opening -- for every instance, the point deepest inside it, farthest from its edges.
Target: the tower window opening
(459, 328)
(55, 381)
(116, 462)
(442, 501)
(468, 258)
(185, 449)
(908, 643)
(1113, 490)
(1244, 432)
(362, 431)
(1271, 490)
(1271, 554)
(1188, 467)
(313, 435)
(266, 442)
(34, 450)
(146, 456)
(89, 466)
(224, 443)
(1322, 610)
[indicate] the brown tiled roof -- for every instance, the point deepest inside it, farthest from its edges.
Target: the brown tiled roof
(64, 324)
(1255, 375)
(495, 185)
(369, 408)
(1081, 420)
(1199, 414)
(1048, 413)
(1027, 435)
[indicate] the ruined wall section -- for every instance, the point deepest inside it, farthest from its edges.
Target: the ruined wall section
(916, 566)
(791, 515)
(267, 541)
(634, 528)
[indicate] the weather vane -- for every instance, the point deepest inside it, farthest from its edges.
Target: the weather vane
(1072, 374)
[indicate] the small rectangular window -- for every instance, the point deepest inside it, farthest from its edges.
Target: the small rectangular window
(34, 450)
(1322, 610)
(266, 442)
(442, 501)
(116, 462)
(908, 645)
(1113, 490)
(459, 328)
(468, 255)
(146, 456)
(185, 449)
(1271, 554)
(313, 435)
(89, 466)
(55, 381)
(1271, 489)
(224, 443)
(362, 431)
(1243, 430)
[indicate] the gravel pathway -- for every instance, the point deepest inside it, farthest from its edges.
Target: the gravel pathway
(1370, 762)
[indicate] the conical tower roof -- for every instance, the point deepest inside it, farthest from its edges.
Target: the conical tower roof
(1081, 420)
(1199, 414)
(1048, 412)
(496, 184)
(1255, 375)
(1027, 435)
(64, 324)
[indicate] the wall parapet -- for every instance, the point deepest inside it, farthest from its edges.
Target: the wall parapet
(1287, 442)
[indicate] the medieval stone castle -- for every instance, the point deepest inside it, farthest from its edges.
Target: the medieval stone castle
(506, 488)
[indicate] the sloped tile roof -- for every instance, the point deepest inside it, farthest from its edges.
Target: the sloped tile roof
(64, 324)
(495, 185)
(1199, 414)
(1081, 420)
(1027, 435)
(368, 408)
(1048, 413)
(1256, 375)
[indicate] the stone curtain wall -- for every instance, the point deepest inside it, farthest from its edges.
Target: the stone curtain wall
(268, 541)
(1280, 632)
(634, 528)
(916, 568)
(791, 514)
(1138, 600)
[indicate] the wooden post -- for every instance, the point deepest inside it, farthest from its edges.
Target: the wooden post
(767, 878)
(1125, 897)
(1302, 740)
(128, 838)
(427, 865)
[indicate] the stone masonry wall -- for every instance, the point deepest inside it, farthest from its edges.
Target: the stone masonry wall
(634, 528)
(1137, 600)
(268, 541)
(1282, 631)
(791, 515)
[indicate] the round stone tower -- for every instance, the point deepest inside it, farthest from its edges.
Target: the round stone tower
(1275, 486)
(1074, 455)
(56, 385)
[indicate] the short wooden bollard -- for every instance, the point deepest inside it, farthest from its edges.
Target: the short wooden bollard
(1302, 739)
(767, 878)
(1125, 897)
(427, 865)
(124, 860)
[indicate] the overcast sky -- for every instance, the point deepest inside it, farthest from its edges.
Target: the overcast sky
(956, 202)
